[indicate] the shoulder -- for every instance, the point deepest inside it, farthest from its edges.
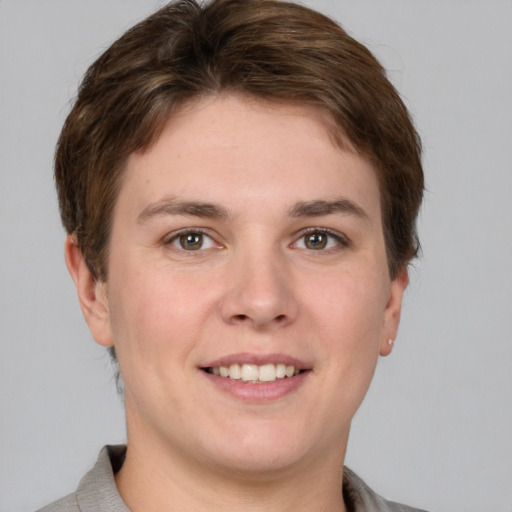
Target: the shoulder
(67, 504)
(364, 499)
(97, 490)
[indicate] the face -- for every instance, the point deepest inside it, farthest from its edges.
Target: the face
(248, 294)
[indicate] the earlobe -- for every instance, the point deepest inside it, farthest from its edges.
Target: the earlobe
(92, 293)
(393, 311)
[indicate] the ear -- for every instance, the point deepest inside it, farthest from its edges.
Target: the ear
(392, 312)
(92, 294)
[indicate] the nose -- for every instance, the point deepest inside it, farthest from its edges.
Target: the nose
(260, 293)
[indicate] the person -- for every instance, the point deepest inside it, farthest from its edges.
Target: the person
(239, 182)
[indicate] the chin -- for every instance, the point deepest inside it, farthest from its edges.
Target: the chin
(261, 466)
(261, 451)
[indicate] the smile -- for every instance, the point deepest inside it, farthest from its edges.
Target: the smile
(254, 374)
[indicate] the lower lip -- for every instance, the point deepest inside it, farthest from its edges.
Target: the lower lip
(264, 392)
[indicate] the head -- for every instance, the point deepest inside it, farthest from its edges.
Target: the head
(240, 183)
(267, 49)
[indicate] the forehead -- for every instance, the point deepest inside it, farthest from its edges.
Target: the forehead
(241, 151)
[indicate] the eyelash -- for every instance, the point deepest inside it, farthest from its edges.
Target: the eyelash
(173, 237)
(341, 240)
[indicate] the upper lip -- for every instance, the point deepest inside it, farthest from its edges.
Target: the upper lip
(258, 359)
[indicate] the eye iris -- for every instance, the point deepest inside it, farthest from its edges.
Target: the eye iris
(191, 241)
(316, 241)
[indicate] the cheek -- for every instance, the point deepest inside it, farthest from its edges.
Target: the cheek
(149, 324)
(350, 319)
(352, 304)
(347, 316)
(153, 312)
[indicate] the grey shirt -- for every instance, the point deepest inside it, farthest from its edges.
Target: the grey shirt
(97, 491)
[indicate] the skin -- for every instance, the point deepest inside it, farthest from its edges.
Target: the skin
(254, 288)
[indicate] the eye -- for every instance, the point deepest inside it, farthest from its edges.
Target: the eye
(320, 240)
(192, 241)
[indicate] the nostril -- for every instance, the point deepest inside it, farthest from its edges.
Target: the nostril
(244, 318)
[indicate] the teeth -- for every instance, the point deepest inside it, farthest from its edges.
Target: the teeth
(249, 372)
(267, 373)
(281, 371)
(235, 372)
(255, 373)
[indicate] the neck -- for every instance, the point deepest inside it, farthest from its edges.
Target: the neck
(153, 479)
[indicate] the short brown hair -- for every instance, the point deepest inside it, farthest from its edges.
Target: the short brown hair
(270, 49)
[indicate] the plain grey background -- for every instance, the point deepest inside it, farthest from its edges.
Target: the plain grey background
(435, 430)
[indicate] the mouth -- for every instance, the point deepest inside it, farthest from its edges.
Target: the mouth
(257, 378)
(254, 373)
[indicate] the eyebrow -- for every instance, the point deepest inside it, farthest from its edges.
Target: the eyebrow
(173, 206)
(319, 208)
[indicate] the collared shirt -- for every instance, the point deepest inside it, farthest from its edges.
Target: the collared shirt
(97, 491)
